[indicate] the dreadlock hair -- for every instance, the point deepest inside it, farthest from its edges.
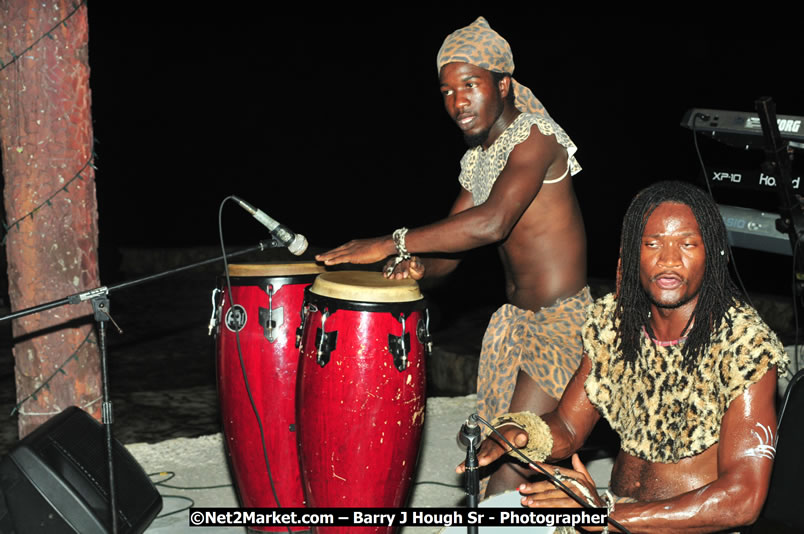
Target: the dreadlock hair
(718, 291)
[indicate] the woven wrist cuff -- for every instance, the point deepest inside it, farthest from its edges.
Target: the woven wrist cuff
(540, 439)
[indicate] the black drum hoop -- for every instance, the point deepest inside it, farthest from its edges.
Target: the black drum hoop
(333, 304)
(263, 281)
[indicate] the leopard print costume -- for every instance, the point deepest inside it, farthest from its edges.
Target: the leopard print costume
(545, 344)
(481, 168)
(660, 412)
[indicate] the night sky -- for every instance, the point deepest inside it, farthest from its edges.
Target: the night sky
(334, 125)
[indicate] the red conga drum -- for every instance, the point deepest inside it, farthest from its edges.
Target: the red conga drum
(361, 391)
(265, 312)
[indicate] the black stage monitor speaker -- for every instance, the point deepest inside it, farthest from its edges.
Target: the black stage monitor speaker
(56, 480)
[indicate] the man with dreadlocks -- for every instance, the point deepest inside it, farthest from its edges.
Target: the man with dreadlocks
(681, 368)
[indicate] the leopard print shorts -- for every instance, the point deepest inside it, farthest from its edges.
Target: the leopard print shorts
(545, 344)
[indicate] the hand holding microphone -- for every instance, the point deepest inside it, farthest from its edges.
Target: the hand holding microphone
(296, 243)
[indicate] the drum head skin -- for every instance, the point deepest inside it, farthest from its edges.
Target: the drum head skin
(275, 269)
(365, 286)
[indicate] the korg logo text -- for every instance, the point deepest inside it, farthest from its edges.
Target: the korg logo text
(789, 125)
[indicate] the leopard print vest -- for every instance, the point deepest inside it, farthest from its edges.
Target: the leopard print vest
(661, 413)
(480, 168)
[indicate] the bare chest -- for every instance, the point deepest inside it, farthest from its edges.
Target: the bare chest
(652, 481)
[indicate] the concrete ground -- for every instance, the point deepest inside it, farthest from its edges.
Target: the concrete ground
(201, 462)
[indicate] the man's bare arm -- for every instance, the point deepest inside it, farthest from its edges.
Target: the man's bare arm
(474, 226)
(575, 417)
(436, 267)
(570, 424)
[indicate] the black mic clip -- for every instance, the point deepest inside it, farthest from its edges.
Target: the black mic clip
(469, 437)
(470, 433)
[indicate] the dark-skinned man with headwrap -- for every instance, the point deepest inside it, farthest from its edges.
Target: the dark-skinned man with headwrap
(516, 193)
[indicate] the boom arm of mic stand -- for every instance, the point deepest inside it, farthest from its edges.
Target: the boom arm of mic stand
(89, 295)
(778, 161)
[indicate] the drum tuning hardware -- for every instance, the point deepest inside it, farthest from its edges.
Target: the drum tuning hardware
(215, 317)
(325, 341)
(400, 346)
(271, 319)
(423, 332)
(300, 330)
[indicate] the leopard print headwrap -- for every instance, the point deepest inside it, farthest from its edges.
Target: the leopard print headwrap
(482, 47)
(479, 45)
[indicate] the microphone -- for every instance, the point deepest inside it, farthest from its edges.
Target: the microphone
(469, 437)
(469, 434)
(296, 243)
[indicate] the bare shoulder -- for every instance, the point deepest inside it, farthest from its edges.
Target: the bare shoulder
(536, 145)
(542, 153)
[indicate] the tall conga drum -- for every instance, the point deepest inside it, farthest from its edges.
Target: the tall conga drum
(264, 314)
(360, 401)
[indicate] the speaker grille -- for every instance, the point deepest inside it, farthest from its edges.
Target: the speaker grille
(65, 462)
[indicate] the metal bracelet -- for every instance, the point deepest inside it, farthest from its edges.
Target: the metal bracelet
(402, 252)
(397, 260)
(399, 241)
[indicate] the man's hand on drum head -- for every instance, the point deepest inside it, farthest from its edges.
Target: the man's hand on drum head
(359, 251)
(493, 447)
(412, 268)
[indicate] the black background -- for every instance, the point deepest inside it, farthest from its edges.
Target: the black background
(333, 123)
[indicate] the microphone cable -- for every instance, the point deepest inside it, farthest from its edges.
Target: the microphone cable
(550, 476)
(240, 356)
(712, 196)
(170, 475)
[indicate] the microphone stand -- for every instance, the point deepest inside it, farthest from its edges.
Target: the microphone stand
(100, 306)
(470, 436)
(778, 164)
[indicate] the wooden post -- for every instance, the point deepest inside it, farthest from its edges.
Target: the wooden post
(50, 204)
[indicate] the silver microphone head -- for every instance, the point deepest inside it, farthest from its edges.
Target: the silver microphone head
(298, 245)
